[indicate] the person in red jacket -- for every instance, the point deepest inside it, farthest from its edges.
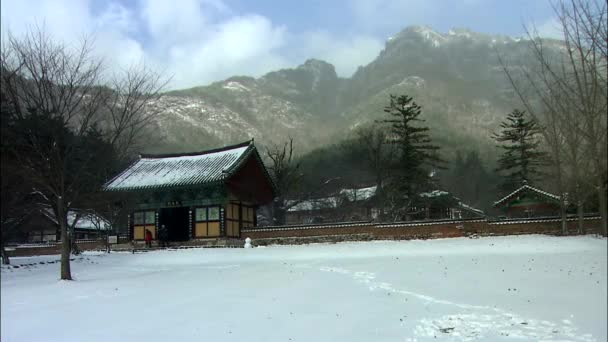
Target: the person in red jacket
(148, 238)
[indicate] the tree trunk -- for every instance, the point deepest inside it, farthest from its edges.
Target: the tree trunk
(602, 202)
(278, 212)
(562, 212)
(5, 258)
(66, 274)
(560, 186)
(108, 246)
(580, 210)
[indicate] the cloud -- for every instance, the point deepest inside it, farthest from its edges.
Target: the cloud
(551, 28)
(346, 54)
(388, 14)
(247, 45)
(71, 22)
(197, 42)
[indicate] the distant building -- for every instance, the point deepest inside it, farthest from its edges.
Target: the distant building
(360, 204)
(346, 205)
(528, 201)
(209, 194)
(42, 226)
(439, 204)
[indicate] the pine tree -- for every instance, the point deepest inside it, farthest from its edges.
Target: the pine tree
(521, 157)
(416, 152)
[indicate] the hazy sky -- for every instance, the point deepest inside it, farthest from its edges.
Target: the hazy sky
(200, 41)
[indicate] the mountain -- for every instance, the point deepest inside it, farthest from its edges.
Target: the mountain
(455, 76)
(288, 102)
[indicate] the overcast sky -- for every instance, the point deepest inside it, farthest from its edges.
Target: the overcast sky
(201, 41)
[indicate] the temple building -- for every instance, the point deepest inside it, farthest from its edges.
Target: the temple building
(208, 194)
(528, 201)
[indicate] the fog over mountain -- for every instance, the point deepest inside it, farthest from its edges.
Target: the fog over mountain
(456, 77)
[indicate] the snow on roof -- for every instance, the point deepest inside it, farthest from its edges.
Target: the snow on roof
(86, 220)
(434, 193)
(472, 209)
(359, 194)
(314, 204)
(353, 195)
(523, 188)
(462, 205)
(154, 171)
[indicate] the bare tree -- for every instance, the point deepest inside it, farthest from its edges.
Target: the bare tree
(378, 155)
(61, 109)
(15, 204)
(113, 207)
(132, 103)
(567, 92)
(285, 172)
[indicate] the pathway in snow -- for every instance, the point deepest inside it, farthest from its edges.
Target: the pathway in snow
(476, 321)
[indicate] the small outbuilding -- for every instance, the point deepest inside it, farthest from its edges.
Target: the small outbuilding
(41, 226)
(528, 201)
(208, 194)
(345, 205)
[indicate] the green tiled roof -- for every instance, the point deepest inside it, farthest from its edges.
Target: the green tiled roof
(153, 171)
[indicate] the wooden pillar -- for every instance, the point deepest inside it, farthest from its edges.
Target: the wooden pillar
(190, 230)
(240, 217)
(156, 224)
(255, 216)
(129, 227)
(222, 221)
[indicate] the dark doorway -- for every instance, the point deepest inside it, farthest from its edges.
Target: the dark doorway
(176, 222)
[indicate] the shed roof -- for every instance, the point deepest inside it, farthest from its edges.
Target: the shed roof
(172, 170)
(526, 188)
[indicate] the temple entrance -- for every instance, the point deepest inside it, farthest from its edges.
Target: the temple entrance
(176, 222)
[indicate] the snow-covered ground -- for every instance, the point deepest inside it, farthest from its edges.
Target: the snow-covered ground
(536, 288)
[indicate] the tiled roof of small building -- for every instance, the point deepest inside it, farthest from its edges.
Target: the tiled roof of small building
(88, 220)
(172, 170)
(525, 188)
(352, 195)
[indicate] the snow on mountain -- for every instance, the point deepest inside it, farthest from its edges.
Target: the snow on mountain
(413, 81)
(455, 76)
(232, 85)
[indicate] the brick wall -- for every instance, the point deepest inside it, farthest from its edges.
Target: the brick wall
(53, 249)
(410, 230)
(362, 231)
(540, 226)
(355, 231)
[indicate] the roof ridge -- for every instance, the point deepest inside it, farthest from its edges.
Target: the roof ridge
(190, 154)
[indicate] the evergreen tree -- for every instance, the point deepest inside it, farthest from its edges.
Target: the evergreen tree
(521, 157)
(416, 153)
